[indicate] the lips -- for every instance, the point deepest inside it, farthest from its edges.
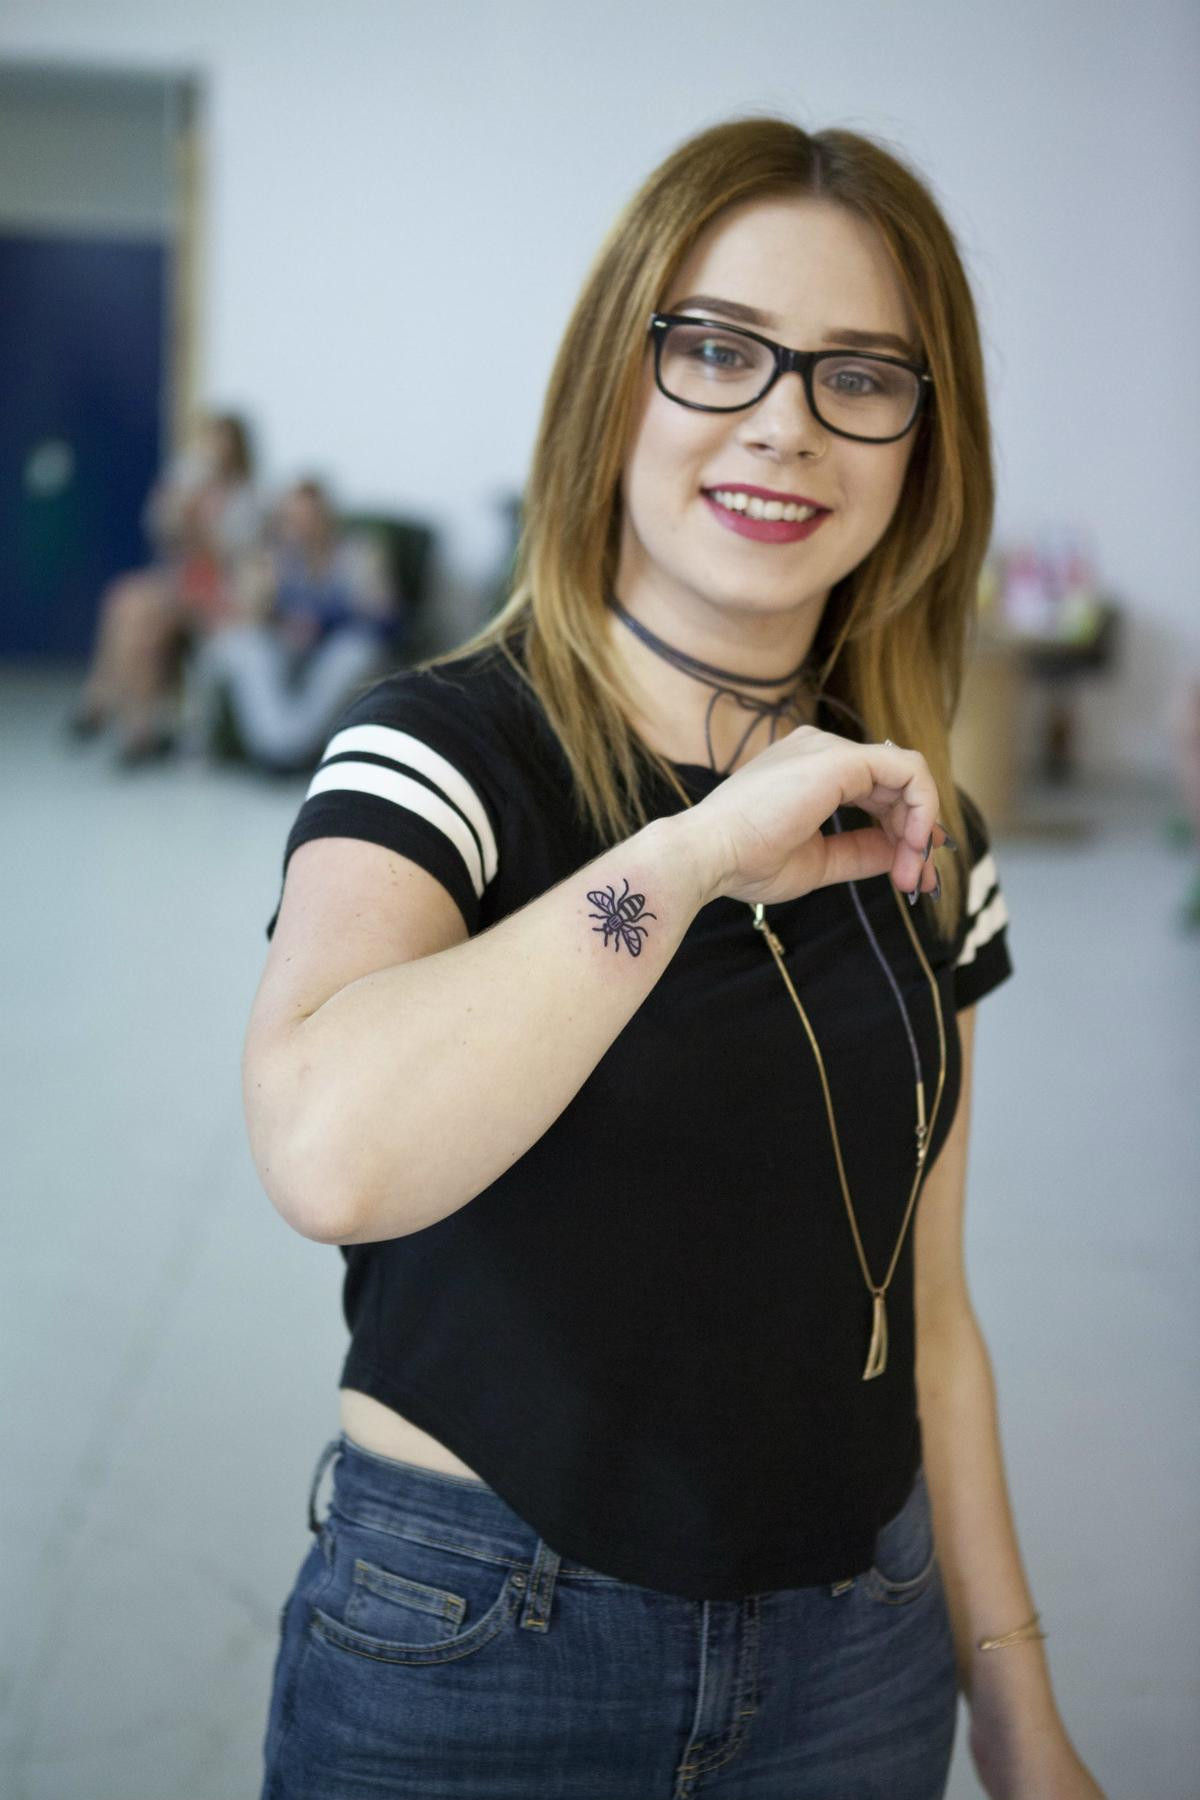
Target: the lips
(764, 531)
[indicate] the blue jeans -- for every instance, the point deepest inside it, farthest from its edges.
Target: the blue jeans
(434, 1647)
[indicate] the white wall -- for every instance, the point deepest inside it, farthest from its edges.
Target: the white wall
(391, 182)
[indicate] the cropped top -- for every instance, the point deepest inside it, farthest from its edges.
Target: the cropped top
(648, 1334)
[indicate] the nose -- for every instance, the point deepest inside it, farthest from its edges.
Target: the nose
(783, 422)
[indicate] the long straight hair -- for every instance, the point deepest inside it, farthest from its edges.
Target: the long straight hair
(895, 633)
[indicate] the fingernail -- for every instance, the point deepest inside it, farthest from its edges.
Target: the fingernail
(929, 846)
(912, 898)
(950, 843)
(936, 890)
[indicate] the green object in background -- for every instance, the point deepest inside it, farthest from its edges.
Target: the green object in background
(225, 742)
(1189, 912)
(408, 547)
(1177, 830)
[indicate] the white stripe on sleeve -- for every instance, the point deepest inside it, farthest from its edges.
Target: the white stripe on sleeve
(984, 927)
(413, 796)
(413, 753)
(983, 879)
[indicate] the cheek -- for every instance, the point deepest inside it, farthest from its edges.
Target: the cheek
(878, 484)
(675, 454)
(656, 477)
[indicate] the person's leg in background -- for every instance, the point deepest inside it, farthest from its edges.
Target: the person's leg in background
(136, 621)
(282, 726)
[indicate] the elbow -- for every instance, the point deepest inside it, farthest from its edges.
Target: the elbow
(324, 1228)
(291, 1163)
(325, 1179)
(328, 1196)
(309, 1205)
(295, 1154)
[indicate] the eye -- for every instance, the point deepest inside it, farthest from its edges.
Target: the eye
(717, 353)
(853, 382)
(707, 350)
(866, 378)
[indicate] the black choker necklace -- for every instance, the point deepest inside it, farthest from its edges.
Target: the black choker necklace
(702, 671)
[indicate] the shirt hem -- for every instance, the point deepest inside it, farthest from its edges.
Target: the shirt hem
(685, 1580)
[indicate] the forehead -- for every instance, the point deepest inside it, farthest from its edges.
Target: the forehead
(809, 263)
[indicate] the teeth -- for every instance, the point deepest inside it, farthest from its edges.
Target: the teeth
(736, 501)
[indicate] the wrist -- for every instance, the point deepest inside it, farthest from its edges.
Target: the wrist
(1015, 1699)
(688, 848)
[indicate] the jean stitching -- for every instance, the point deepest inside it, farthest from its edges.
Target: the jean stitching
(499, 1616)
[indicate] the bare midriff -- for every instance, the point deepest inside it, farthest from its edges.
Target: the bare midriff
(368, 1422)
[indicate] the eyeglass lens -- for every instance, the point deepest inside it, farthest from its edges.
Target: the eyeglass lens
(703, 365)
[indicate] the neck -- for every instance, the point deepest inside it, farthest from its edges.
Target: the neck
(672, 705)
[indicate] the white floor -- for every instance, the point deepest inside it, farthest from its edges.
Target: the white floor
(171, 1349)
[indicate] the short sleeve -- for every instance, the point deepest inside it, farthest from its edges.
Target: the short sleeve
(983, 960)
(405, 767)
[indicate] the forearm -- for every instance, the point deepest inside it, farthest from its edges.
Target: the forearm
(415, 1087)
(986, 1587)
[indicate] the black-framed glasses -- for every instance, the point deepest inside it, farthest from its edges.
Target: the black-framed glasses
(715, 367)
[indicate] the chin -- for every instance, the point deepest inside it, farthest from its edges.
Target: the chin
(744, 593)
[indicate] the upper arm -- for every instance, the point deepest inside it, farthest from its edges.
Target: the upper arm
(349, 908)
(939, 1262)
(388, 860)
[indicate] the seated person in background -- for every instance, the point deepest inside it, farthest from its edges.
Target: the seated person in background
(325, 621)
(203, 514)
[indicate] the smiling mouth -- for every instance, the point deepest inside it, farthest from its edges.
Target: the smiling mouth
(753, 506)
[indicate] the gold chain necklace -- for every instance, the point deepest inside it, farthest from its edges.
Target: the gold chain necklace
(876, 1361)
(877, 1354)
(705, 673)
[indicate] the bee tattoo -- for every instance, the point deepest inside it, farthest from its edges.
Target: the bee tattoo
(618, 918)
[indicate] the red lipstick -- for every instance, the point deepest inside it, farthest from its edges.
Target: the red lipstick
(767, 531)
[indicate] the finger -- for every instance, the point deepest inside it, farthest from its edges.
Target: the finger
(861, 852)
(856, 855)
(908, 771)
(886, 805)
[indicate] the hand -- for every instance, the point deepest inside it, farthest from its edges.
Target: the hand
(1029, 1765)
(757, 836)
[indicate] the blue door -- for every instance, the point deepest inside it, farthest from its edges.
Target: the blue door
(81, 379)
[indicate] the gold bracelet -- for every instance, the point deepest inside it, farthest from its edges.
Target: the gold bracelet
(1029, 1630)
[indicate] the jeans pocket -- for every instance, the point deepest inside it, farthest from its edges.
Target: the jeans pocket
(905, 1559)
(400, 1598)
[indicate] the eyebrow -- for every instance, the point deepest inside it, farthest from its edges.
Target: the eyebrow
(750, 315)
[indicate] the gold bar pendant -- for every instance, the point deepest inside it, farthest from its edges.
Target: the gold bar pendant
(877, 1354)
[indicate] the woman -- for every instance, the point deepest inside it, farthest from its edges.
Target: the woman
(202, 517)
(319, 620)
(611, 1039)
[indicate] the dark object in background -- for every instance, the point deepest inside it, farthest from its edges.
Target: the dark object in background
(408, 545)
(1059, 666)
(81, 372)
(510, 506)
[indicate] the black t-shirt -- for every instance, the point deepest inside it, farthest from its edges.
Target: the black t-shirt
(648, 1334)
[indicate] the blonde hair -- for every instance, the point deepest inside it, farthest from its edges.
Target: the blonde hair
(894, 636)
